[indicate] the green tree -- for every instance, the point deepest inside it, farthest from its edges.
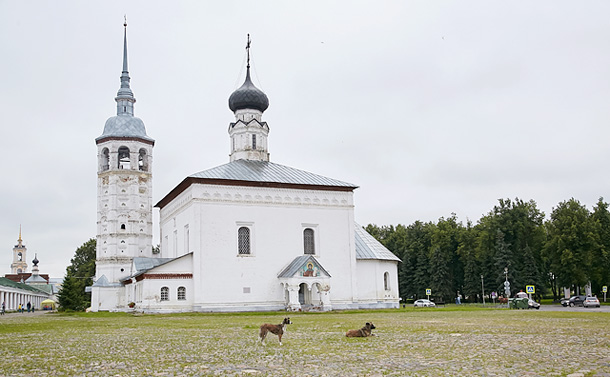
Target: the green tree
(572, 241)
(467, 253)
(79, 274)
(503, 259)
(601, 256)
(446, 270)
(522, 226)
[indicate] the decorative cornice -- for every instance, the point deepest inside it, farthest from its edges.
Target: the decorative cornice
(164, 276)
(188, 181)
(120, 138)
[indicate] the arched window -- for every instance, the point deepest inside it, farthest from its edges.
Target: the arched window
(143, 160)
(181, 293)
(124, 161)
(386, 281)
(19, 256)
(243, 240)
(122, 226)
(308, 241)
(164, 294)
(105, 160)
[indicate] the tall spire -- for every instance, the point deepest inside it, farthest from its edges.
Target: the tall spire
(19, 234)
(125, 98)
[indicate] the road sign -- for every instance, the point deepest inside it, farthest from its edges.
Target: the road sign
(530, 289)
(605, 288)
(428, 291)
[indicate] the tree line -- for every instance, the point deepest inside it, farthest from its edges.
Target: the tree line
(513, 241)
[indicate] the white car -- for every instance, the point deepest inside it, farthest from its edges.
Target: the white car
(423, 303)
(591, 301)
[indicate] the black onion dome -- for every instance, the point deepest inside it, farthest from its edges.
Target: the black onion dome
(35, 261)
(248, 96)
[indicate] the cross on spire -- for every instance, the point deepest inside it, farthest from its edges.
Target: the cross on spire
(248, 49)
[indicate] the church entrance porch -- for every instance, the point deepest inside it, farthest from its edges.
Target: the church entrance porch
(306, 285)
(304, 296)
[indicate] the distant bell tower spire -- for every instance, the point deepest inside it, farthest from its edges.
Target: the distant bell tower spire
(19, 262)
(249, 133)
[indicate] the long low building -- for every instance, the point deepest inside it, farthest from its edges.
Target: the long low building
(12, 294)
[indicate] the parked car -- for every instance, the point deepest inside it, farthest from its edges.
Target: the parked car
(576, 301)
(423, 303)
(531, 304)
(591, 301)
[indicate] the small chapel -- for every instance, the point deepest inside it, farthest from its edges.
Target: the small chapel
(249, 235)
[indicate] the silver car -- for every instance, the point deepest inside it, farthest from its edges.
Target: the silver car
(423, 303)
(591, 302)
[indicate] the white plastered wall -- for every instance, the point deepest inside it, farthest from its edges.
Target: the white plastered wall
(224, 280)
(371, 285)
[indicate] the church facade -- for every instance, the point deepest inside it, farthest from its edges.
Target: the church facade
(249, 235)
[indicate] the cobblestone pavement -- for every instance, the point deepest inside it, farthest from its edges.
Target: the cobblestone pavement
(427, 342)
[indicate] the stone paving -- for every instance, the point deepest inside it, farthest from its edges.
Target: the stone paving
(428, 342)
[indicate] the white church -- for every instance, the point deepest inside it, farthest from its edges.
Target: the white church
(249, 235)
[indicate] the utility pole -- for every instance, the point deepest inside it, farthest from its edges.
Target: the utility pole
(483, 289)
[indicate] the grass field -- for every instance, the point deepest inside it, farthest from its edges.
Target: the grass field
(424, 342)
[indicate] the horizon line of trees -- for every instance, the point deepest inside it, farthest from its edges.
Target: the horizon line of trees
(571, 249)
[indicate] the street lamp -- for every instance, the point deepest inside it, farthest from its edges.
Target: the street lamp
(483, 289)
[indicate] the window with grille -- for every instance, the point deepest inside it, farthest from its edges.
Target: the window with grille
(243, 240)
(308, 241)
(253, 141)
(164, 294)
(181, 293)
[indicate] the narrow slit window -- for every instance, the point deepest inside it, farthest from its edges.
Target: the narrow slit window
(253, 141)
(386, 281)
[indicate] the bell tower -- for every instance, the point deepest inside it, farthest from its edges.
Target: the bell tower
(124, 196)
(19, 264)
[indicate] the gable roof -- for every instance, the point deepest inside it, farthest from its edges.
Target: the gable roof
(298, 263)
(258, 174)
(144, 264)
(11, 284)
(367, 247)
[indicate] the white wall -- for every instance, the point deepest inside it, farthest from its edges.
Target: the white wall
(371, 289)
(147, 293)
(277, 218)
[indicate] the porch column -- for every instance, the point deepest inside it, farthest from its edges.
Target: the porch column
(325, 296)
(293, 297)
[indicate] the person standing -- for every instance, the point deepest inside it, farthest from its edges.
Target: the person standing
(29, 306)
(3, 308)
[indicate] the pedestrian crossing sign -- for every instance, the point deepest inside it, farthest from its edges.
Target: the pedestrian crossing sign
(530, 289)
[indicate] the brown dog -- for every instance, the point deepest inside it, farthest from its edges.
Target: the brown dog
(274, 329)
(363, 332)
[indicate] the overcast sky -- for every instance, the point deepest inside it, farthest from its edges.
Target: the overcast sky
(431, 107)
